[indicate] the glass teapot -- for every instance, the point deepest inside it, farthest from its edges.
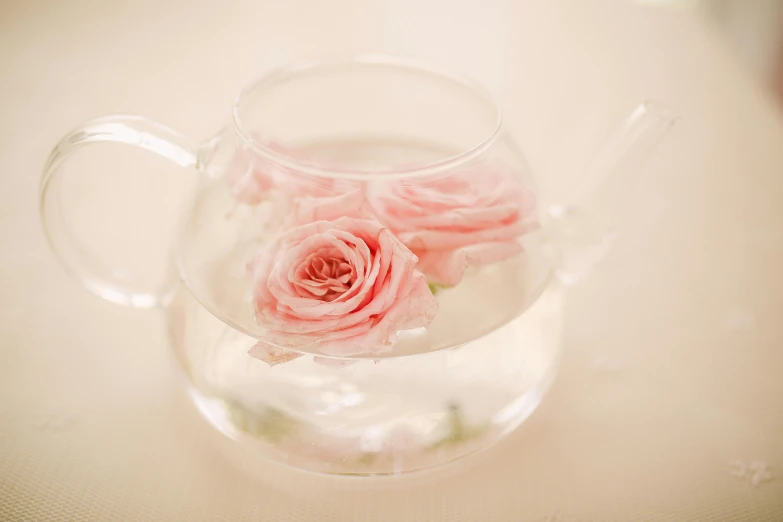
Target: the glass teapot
(365, 281)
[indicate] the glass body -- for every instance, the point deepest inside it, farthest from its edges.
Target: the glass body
(365, 281)
(393, 416)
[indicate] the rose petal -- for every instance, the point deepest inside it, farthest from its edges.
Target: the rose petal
(248, 178)
(329, 208)
(272, 355)
(414, 310)
(422, 305)
(448, 266)
(446, 239)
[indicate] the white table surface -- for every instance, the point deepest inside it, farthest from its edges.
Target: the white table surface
(674, 343)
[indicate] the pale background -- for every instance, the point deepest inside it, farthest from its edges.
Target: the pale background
(674, 343)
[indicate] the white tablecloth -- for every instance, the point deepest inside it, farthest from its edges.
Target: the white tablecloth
(674, 345)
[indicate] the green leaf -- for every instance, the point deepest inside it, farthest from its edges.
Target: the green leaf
(458, 431)
(265, 423)
(436, 287)
(367, 458)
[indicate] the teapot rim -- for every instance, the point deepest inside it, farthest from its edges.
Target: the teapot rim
(366, 60)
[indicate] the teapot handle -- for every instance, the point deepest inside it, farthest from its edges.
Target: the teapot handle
(108, 282)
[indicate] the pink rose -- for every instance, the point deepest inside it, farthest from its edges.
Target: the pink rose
(251, 177)
(328, 208)
(346, 286)
(466, 219)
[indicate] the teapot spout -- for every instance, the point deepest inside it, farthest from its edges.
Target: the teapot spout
(579, 232)
(635, 137)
